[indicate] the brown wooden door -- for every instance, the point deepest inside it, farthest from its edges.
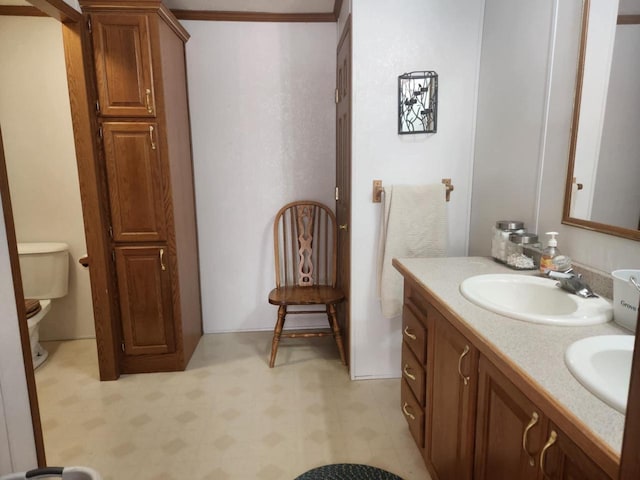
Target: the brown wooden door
(122, 53)
(509, 429)
(145, 300)
(453, 400)
(343, 179)
(562, 459)
(135, 181)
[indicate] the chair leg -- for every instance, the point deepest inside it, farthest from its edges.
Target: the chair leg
(333, 321)
(277, 331)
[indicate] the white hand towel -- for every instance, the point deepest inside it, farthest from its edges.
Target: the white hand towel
(414, 224)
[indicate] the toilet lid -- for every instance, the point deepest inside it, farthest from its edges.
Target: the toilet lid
(32, 307)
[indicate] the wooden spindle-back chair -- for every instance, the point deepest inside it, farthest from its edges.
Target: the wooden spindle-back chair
(305, 242)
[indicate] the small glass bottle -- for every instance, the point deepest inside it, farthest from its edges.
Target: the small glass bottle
(501, 231)
(521, 249)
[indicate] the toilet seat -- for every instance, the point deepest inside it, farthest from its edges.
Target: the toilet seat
(31, 307)
(45, 307)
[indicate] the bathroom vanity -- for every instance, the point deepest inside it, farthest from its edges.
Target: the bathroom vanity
(489, 397)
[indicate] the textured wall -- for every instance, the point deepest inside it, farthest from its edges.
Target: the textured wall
(388, 41)
(263, 129)
(41, 159)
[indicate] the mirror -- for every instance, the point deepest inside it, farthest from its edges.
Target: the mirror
(602, 191)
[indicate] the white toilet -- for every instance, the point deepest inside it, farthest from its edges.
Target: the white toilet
(45, 275)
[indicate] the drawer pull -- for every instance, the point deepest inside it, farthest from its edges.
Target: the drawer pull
(407, 374)
(408, 414)
(552, 439)
(534, 420)
(465, 379)
(409, 334)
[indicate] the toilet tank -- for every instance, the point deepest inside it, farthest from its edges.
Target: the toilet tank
(44, 268)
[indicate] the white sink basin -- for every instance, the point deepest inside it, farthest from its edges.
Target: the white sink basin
(603, 365)
(534, 299)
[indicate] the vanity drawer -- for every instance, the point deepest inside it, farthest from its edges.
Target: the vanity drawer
(413, 413)
(414, 334)
(413, 373)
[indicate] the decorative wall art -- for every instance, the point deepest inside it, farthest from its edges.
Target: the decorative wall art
(418, 102)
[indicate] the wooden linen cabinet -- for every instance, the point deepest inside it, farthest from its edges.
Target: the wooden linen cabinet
(143, 120)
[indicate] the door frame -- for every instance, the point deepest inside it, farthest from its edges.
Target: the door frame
(12, 245)
(81, 95)
(344, 312)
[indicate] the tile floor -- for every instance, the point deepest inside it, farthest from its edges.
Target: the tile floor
(228, 416)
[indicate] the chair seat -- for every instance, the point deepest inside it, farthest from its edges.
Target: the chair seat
(316, 295)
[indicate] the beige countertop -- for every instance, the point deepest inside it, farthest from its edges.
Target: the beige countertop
(536, 349)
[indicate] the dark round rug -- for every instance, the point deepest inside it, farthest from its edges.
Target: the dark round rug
(347, 471)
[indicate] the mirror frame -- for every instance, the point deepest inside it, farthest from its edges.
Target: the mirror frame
(567, 219)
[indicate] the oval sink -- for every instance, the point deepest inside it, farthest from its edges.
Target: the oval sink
(534, 299)
(602, 365)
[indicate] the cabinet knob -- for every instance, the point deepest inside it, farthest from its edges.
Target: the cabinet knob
(343, 227)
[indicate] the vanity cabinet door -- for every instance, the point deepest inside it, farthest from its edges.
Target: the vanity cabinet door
(562, 459)
(134, 177)
(122, 54)
(453, 403)
(144, 286)
(509, 429)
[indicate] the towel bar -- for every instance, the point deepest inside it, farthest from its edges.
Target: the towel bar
(378, 189)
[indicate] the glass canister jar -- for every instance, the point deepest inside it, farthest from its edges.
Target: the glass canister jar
(523, 251)
(501, 231)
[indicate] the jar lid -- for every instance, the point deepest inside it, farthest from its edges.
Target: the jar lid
(509, 224)
(523, 238)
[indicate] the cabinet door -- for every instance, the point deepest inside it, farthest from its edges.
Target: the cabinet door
(509, 429)
(145, 300)
(452, 414)
(122, 51)
(562, 459)
(135, 181)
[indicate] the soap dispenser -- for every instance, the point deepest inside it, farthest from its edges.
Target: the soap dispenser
(551, 259)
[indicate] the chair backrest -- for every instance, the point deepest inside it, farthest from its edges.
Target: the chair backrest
(305, 239)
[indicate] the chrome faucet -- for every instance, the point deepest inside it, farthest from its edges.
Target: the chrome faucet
(573, 283)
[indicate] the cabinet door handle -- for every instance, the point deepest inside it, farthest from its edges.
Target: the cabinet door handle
(409, 334)
(408, 414)
(147, 97)
(552, 439)
(153, 143)
(407, 374)
(162, 265)
(465, 379)
(534, 420)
